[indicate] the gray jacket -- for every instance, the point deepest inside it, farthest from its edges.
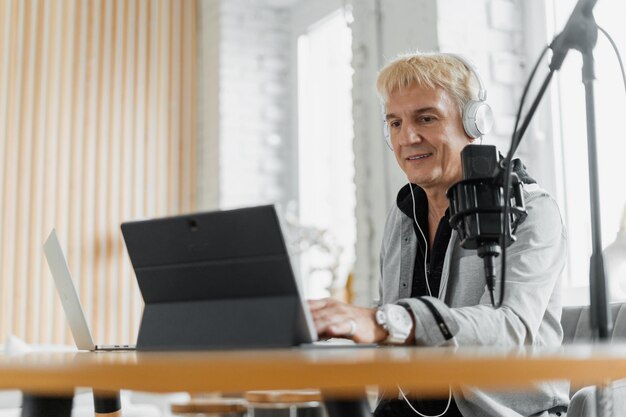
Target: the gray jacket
(531, 310)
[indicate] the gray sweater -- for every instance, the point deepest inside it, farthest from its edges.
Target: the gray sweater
(530, 314)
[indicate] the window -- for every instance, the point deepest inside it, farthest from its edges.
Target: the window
(611, 143)
(325, 156)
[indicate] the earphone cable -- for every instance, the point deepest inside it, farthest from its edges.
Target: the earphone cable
(425, 241)
(619, 57)
(431, 294)
(426, 415)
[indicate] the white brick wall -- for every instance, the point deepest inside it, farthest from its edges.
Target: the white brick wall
(208, 104)
(253, 111)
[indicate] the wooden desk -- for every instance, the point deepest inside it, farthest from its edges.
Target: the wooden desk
(341, 372)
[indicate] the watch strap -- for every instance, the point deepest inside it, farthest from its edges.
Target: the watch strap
(441, 324)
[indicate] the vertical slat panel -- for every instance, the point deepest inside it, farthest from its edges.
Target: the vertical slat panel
(5, 31)
(113, 167)
(97, 126)
(63, 96)
(24, 165)
(192, 98)
(137, 190)
(164, 103)
(78, 44)
(54, 187)
(153, 121)
(102, 162)
(185, 111)
(174, 108)
(92, 63)
(89, 185)
(41, 291)
(152, 97)
(34, 213)
(145, 201)
(58, 118)
(126, 179)
(14, 71)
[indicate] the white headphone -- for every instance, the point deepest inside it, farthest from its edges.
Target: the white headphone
(477, 114)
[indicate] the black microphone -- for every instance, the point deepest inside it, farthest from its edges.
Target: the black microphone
(477, 206)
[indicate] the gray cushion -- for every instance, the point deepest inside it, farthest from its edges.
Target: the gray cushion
(577, 325)
(577, 328)
(583, 403)
(619, 324)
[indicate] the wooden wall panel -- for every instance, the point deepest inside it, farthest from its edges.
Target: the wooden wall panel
(97, 126)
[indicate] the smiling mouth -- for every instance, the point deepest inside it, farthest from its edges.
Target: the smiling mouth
(416, 157)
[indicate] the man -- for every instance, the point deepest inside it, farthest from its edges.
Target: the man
(428, 281)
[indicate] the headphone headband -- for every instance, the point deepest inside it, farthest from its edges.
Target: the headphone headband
(482, 91)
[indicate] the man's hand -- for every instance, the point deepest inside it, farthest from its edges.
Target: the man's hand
(336, 319)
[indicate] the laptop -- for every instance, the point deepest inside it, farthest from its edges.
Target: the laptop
(217, 280)
(69, 298)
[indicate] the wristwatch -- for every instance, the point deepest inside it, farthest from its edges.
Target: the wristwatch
(397, 321)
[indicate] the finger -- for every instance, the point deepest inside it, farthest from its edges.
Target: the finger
(345, 328)
(330, 314)
(323, 324)
(322, 303)
(315, 305)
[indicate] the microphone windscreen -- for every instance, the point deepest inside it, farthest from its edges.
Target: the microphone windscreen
(479, 161)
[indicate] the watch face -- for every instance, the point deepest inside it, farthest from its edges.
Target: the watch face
(380, 317)
(398, 322)
(400, 317)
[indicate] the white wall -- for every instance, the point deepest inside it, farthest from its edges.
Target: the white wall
(247, 59)
(208, 104)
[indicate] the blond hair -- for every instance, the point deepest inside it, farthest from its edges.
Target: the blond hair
(429, 70)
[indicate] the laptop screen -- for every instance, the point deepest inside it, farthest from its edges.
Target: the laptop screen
(67, 292)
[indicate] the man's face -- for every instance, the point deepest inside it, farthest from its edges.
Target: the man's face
(427, 135)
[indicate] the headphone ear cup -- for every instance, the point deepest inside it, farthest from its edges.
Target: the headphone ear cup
(387, 134)
(477, 118)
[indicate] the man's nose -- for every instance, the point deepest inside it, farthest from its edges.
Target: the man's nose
(409, 135)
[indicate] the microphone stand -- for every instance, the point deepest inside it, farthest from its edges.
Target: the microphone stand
(581, 33)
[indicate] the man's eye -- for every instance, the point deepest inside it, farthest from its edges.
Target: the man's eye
(426, 119)
(394, 123)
